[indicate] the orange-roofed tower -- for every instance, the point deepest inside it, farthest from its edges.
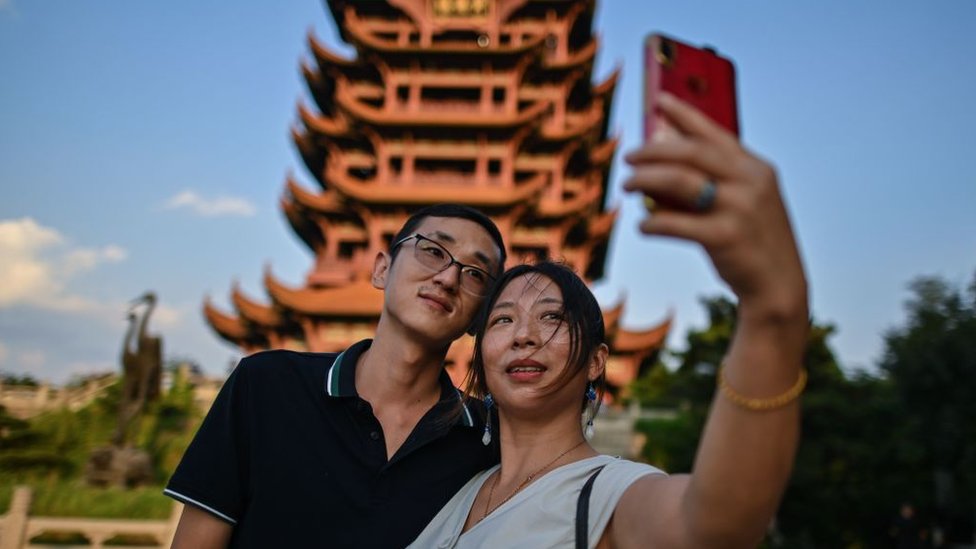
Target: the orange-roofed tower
(486, 103)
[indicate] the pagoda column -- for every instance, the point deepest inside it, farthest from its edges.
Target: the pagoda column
(413, 96)
(391, 100)
(382, 155)
(487, 88)
(331, 244)
(374, 231)
(409, 160)
(481, 163)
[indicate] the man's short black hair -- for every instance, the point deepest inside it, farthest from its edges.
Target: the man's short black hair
(451, 210)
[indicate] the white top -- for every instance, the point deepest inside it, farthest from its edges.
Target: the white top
(541, 515)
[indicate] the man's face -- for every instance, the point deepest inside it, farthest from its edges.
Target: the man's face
(432, 305)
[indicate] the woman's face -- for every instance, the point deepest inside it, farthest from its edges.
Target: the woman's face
(526, 345)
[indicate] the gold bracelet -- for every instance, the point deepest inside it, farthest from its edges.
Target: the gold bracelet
(761, 404)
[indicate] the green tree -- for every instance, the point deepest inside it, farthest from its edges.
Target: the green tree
(931, 363)
(671, 443)
(842, 487)
(24, 380)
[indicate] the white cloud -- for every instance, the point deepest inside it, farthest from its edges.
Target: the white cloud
(167, 317)
(114, 253)
(86, 259)
(22, 235)
(26, 276)
(214, 207)
(39, 262)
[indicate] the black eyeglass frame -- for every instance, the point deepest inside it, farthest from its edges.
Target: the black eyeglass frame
(489, 280)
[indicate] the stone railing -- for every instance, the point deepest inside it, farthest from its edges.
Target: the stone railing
(28, 401)
(614, 432)
(17, 527)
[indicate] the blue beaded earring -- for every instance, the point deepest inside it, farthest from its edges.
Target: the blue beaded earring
(590, 399)
(489, 402)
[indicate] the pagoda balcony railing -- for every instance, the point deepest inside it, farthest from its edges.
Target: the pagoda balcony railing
(465, 107)
(365, 91)
(428, 111)
(447, 178)
(330, 274)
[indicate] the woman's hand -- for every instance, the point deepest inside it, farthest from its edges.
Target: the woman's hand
(744, 457)
(745, 229)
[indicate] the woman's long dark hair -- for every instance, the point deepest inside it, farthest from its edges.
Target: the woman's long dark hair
(582, 316)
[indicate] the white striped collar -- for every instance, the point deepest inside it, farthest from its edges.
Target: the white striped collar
(340, 380)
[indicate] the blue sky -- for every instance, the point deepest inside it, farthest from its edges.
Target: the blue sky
(145, 145)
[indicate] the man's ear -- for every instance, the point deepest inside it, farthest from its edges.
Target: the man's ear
(598, 363)
(381, 268)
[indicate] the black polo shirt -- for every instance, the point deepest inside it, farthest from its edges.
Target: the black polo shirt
(293, 457)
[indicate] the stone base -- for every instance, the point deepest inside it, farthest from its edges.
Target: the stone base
(118, 467)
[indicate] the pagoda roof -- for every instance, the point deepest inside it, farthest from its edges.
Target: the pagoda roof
(579, 57)
(590, 118)
(605, 89)
(359, 34)
(312, 156)
(576, 7)
(339, 9)
(326, 57)
(229, 327)
(637, 341)
(376, 193)
(253, 311)
(563, 208)
(233, 329)
(602, 153)
(309, 232)
(439, 117)
(325, 202)
(602, 223)
(611, 317)
(598, 232)
(322, 124)
(357, 299)
(321, 87)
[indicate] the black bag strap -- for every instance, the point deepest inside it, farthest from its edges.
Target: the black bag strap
(583, 510)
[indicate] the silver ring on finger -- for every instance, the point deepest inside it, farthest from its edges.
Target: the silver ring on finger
(706, 196)
(650, 204)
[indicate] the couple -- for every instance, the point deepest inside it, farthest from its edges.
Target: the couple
(374, 447)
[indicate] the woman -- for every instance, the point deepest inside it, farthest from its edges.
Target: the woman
(540, 349)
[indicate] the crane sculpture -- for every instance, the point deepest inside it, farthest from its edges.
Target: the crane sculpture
(142, 366)
(121, 464)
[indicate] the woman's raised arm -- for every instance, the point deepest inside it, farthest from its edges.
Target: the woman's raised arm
(711, 190)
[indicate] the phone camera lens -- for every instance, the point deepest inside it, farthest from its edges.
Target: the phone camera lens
(665, 52)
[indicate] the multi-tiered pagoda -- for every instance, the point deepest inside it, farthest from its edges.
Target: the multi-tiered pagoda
(477, 102)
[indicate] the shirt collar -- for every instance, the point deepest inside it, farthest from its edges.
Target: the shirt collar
(340, 380)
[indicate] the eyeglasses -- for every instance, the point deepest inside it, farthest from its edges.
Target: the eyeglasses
(435, 257)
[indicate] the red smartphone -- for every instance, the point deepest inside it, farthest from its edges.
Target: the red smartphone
(698, 76)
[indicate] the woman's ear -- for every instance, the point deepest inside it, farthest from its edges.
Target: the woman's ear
(381, 268)
(598, 362)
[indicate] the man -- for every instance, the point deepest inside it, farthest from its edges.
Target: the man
(359, 449)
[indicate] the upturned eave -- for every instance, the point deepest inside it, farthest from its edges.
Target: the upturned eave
(374, 193)
(358, 299)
